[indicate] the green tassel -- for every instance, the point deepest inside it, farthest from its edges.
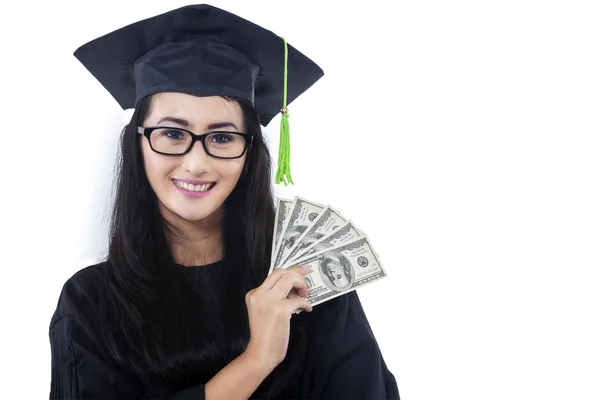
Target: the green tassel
(284, 173)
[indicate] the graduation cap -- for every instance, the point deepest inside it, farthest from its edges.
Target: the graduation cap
(203, 51)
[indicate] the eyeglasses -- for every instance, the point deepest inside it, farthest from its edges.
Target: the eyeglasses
(177, 141)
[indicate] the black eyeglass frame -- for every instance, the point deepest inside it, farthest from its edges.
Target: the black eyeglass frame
(248, 138)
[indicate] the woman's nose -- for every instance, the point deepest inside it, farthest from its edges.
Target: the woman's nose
(197, 161)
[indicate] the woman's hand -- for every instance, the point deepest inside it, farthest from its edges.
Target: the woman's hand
(270, 310)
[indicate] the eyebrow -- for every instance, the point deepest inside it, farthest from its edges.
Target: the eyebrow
(213, 126)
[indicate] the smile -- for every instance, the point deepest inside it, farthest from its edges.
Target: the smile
(194, 188)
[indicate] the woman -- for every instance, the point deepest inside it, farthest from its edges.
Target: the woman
(182, 307)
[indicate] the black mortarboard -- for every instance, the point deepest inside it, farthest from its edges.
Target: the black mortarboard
(204, 51)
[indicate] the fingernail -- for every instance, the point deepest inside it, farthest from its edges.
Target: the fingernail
(306, 266)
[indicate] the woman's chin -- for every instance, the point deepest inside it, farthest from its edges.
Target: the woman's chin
(192, 211)
(192, 216)
(189, 213)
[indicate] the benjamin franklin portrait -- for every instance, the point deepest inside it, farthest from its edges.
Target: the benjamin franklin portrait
(291, 235)
(336, 271)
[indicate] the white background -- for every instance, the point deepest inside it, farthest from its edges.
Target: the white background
(462, 137)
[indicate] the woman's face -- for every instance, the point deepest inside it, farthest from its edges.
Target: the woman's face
(166, 173)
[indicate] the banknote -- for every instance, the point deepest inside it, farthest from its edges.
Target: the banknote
(282, 208)
(341, 269)
(346, 233)
(329, 221)
(302, 214)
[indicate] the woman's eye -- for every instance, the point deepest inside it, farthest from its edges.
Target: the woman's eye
(174, 134)
(221, 138)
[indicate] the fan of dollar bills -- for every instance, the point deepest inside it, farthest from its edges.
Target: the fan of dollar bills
(340, 256)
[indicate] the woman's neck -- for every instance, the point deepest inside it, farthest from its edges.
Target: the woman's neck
(196, 242)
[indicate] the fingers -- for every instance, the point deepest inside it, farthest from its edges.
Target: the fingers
(279, 273)
(302, 291)
(290, 282)
(297, 303)
(286, 285)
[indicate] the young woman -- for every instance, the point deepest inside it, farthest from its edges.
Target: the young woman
(182, 307)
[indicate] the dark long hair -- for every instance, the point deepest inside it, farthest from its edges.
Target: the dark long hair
(153, 320)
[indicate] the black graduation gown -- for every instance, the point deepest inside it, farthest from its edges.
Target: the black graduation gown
(343, 360)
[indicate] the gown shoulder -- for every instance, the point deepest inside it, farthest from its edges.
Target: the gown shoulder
(81, 365)
(344, 360)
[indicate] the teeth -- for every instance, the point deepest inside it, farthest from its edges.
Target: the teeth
(193, 188)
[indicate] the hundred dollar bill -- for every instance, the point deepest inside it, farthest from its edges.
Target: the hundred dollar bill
(346, 233)
(282, 211)
(302, 214)
(341, 269)
(329, 221)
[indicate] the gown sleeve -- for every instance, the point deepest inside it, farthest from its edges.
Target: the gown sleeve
(80, 365)
(344, 359)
